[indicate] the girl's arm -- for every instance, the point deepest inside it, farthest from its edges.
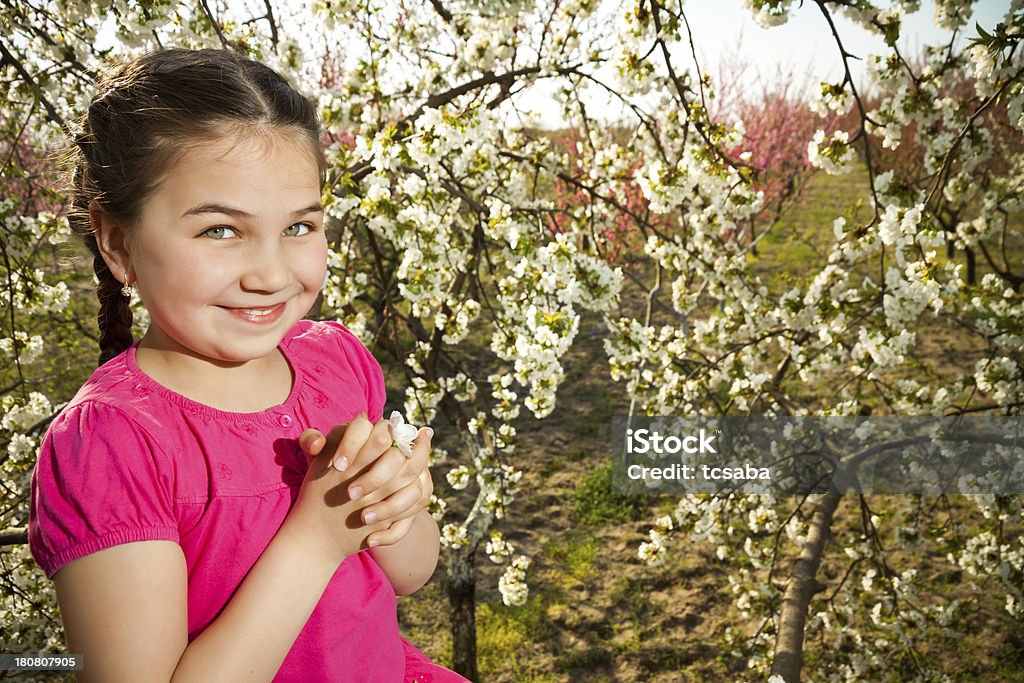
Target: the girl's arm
(125, 608)
(410, 563)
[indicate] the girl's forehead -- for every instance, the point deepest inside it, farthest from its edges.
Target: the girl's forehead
(260, 170)
(252, 144)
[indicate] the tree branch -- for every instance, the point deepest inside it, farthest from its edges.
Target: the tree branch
(441, 10)
(947, 161)
(863, 119)
(51, 111)
(273, 22)
(363, 168)
(803, 585)
(13, 537)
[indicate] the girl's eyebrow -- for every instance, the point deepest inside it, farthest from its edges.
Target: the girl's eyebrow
(211, 207)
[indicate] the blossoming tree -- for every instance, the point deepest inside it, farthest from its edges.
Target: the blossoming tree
(466, 244)
(860, 322)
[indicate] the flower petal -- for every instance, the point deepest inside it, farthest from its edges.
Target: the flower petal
(405, 432)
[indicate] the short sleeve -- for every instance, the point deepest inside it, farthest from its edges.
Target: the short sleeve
(366, 367)
(100, 481)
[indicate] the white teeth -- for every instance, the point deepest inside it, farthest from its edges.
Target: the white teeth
(256, 312)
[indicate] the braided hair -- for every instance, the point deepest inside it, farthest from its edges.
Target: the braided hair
(146, 114)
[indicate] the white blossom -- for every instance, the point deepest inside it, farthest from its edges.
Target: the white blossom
(402, 432)
(512, 584)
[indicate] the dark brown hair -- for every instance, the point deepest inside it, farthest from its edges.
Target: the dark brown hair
(145, 115)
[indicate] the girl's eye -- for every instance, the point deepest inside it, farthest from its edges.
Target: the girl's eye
(298, 230)
(219, 232)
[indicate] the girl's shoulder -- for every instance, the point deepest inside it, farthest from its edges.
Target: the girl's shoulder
(332, 355)
(112, 381)
(315, 333)
(115, 395)
(102, 476)
(321, 338)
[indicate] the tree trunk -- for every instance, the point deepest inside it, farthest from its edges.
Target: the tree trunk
(14, 536)
(789, 642)
(461, 585)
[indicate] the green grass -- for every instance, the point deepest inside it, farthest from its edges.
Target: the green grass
(594, 503)
(574, 559)
(504, 636)
(796, 246)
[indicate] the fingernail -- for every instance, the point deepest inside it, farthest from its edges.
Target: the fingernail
(370, 517)
(341, 464)
(355, 493)
(430, 433)
(374, 543)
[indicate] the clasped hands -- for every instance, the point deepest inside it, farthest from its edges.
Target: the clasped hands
(357, 467)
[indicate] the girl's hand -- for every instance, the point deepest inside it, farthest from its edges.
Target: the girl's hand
(392, 487)
(324, 514)
(400, 528)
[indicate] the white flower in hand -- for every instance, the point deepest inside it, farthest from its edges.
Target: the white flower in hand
(402, 433)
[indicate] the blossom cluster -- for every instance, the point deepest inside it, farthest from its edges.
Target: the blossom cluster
(833, 156)
(653, 552)
(512, 584)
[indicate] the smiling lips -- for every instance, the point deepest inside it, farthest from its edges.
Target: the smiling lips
(264, 315)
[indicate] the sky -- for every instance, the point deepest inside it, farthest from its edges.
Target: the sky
(803, 46)
(805, 39)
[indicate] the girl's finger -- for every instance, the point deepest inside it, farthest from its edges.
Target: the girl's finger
(376, 443)
(351, 436)
(426, 486)
(389, 464)
(403, 503)
(311, 442)
(392, 535)
(380, 479)
(421, 444)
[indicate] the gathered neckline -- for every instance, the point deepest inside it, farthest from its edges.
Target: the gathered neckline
(194, 407)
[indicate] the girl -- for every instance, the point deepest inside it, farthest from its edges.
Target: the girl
(196, 523)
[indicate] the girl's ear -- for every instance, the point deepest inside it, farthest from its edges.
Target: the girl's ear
(111, 239)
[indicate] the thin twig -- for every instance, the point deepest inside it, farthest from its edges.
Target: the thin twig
(216, 25)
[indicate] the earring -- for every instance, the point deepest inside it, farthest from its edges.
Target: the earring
(126, 290)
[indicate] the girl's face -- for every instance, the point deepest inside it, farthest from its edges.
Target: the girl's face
(230, 250)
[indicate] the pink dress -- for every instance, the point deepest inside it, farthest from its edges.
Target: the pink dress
(130, 460)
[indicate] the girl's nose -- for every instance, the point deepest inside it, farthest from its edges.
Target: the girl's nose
(266, 269)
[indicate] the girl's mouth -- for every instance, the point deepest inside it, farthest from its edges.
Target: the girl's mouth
(260, 316)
